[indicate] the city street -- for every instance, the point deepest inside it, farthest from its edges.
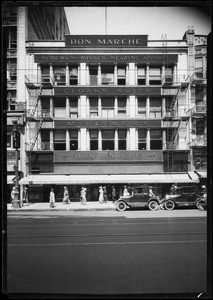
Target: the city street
(108, 253)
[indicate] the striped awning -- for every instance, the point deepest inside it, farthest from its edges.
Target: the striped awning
(104, 179)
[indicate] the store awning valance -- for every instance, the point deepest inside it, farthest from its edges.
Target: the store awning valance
(104, 179)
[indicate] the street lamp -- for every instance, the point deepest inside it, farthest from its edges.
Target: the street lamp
(16, 203)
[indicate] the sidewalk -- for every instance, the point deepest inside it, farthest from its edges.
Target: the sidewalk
(73, 206)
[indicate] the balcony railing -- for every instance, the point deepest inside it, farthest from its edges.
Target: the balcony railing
(33, 81)
(175, 145)
(40, 146)
(198, 78)
(199, 141)
(11, 53)
(198, 110)
(171, 80)
(39, 112)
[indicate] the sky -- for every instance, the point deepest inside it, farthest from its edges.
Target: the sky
(154, 21)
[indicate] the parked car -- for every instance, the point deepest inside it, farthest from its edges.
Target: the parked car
(139, 198)
(185, 196)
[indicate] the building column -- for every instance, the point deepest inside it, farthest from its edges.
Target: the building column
(51, 140)
(147, 107)
(67, 140)
(87, 74)
(83, 73)
(39, 146)
(39, 112)
(128, 105)
(67, 107)
(88, 140)
(131, 106)
(127, 74)
(116, 139)
(83, 106)
(136, 74)
(132, 138)
(116, 106)
(147, 75)
(115, 74)
(79, 74)
(51, 74)
(99, 74)
(136, 106)
(148, 139)
(204, 66)
(51, 107)
(163, 107)
(83, 138)
(175, 74)
(79, 139)
(163, 74)
(164, 139)
(39, 73)
(128, 144)
(79, 106)
(67, 75)
(136, 139)
(99, 140)
(99, 106)
(87, 107)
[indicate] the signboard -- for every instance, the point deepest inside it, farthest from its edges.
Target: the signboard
(106, 91)
(105, 41)
(108, 58)
(62, 124)
(107, 156)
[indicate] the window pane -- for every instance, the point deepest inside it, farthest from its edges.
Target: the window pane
(155, 133)
(155, 144)
(73, 102)
(155, 102)
(93, 145)
(108, 145)
(93, 102)
(94, 134)
(142, 134)
(141, 72)
(154, 71)
(107, 102)
(73, 134)
(60, 135)
(121, 102)
(108, 134)
(122, 133)
(122, 145)
(141, 102)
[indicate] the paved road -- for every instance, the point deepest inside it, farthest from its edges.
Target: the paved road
(118, 253)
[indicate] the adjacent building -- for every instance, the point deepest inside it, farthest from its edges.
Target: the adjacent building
(110, 110)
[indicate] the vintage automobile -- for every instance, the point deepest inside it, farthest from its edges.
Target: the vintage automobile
(185, 196)
(139, 198)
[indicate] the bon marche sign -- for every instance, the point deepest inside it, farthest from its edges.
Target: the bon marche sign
(62, 124)
(138, 58)
(112, 91)
(107, 156)
(106, 41)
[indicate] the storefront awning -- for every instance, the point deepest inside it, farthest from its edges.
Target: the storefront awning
(202, 174)
(10, 179)
(104, 179)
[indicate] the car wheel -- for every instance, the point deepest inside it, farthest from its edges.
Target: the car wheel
(169, 205)
(200, 204)
(153, 205)
(121, 206)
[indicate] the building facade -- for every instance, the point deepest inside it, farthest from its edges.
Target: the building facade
(109, 110)
(19, 25)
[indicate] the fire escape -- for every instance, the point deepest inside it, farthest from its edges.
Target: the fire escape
(35, 115)
(174, 116)
(199, 121)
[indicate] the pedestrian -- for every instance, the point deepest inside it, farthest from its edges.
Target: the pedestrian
(173, 189)
(25, 196)
(105, 194)
(52, 198)
(125, 192)
(204, 192)
(83, 195)
(101, 195)
(12, 195)
(113, 194)
(66, 199)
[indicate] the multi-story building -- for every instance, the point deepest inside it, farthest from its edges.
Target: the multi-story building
(21, 24)
(111, 110)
